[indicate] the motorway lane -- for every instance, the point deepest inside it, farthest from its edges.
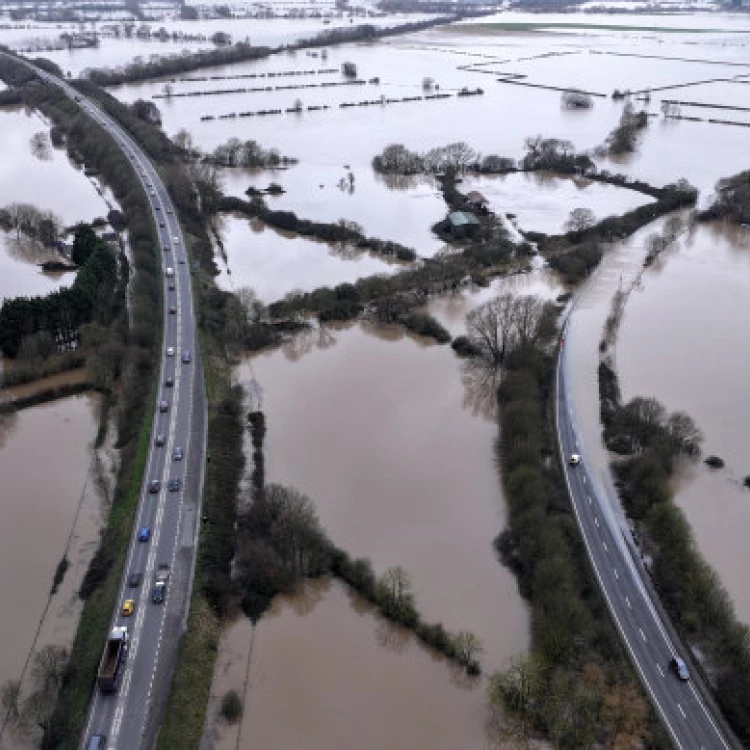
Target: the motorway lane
(130, 718)
(682, 710)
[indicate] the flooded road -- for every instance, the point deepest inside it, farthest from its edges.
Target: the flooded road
(683, 340)
(38, 510)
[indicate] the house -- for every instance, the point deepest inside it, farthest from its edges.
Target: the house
(462, 224)
(476, 200)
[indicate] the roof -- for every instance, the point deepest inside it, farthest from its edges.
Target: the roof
(476, 197)
(462, 219)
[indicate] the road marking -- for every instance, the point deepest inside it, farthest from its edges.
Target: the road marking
(659, 667)
(588, 497)
(606, 549)
(643, 635)
(584, 479)
(596, 521)
(627, 601)
(617, 575)
(682, 711)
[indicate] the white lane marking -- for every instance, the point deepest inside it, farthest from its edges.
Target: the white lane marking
(659, 667)
(596, 521)
(643, 635)
(584, 479)
(588, 497)
(606, 549)
(623, 634)
(617, 575)
(682, 711)
(627, 601)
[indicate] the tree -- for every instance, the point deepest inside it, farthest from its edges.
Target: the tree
(467, 647)
(576, 99)
(685, 434)
(500, 325)
(10, 700)
(580, 219)
(85, 241)
(394, 594)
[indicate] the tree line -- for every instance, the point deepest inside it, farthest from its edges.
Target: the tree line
(652, 444)
(27, 220)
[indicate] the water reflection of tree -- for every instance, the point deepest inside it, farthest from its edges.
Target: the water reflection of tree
(40, 146)
(392, 637)
(8, 421)
(315, 337)
(29, 250)
(480, 384)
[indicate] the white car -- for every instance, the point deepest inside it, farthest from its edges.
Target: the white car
(176, 240)
(574, 459)
(170, 351)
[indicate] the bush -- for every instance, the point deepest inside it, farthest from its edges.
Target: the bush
(464, 348)
(714, 462)
(231, 706)
(424, 324)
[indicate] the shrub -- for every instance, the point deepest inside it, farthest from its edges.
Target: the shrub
(714, 462)
(231, 706)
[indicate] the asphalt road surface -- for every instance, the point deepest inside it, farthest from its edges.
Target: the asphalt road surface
(130, 718)
(679, 703)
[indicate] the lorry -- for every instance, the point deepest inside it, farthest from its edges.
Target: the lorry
(160, 584)
(113, 660)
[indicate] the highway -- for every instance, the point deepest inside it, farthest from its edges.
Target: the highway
(130, 718)
(646, 638)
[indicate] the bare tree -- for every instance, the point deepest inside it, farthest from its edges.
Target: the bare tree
(395, 592)
(579, 219)
(467, 647)
(576, 99)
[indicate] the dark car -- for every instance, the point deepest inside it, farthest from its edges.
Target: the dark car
(174, 485)
(157, 595)
(166, 248)
(160, 440)
(154, 486)
(680, 668)
(187, 357)
(163, 406)
(144, 534)
(177, 454)
(162, 224)
(169, 382)
(171, 286)
(172, 309)
(134, 579)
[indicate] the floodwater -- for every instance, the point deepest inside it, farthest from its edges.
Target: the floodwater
(683, 340)
(39, 510)
(326, 672)
(275, 263)
(542, 201)
(50, 184)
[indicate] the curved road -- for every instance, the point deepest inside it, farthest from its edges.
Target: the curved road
(679, 704)
(130, 718)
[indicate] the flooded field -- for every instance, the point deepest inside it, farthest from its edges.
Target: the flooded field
(682, 341)
(49, 182)
(543, 201)
(275, 263)
(326, 672)
(39, 510)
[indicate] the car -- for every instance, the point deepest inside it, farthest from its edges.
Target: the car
(163, 406)
(169, 272)
(171, 286)
(157, 595)
(154, 486)
(186, 357)
(153, 192)
(160, 440)
(127, 607)
(134, 579)
(144, 534)
(157, 207)
(176, 240)
(182, 259)
(162, 224)
(166, 248)
(680, 668)
(97, 742)
(170, 351)
(169, 210)
(177, 454)
(574, 459)
(172, 309)
(169, 382)
(174, 484)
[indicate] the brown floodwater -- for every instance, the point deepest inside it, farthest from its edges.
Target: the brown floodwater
(326, 672)
(683, 340)
(39, 508)
(50, 184)
(274, 263)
